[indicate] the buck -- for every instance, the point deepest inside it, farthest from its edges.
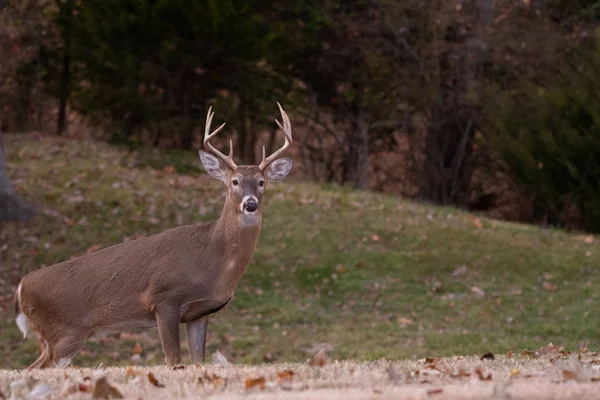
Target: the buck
(179, 276)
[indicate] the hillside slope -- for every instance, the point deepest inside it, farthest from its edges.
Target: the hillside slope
(363, 275)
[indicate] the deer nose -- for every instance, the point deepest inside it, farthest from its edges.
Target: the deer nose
(250, 205)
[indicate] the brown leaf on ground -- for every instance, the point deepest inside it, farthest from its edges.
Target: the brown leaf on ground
(319, 359)
(169, 169)
(488, 356)
(432, 392)
(175, 368)
(514, 372)
(211, 379)
(131, 372)
(259, 382)
(77, 388)
(154, 381)
(340, 269)
(482, 375)
(475, 221)
(461, 373)
(103, 390)
(549, 287)
(287, 374)
(404, 321)
(509, 354)
(431, 360)
(528, 354)
(138, 349)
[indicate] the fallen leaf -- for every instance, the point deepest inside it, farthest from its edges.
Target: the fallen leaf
(319, 359)
(138, 349)
(514, 372)
(432, 392)
(252, 382)
(169, 169)
(211, 379)
(478, 292)
(220, 359)
(528, 354)
(589, 239)
(132, 372)
(488, 356)
(287, 374)
(175, 368)
(340, 269)
(404, 321)
(77, 388)
(549, 286)
(103, 390)
(475, 221)
(509, 354)
(154, 381)
(482, 375)
(431, 360)
(375, 238)
(461, 373)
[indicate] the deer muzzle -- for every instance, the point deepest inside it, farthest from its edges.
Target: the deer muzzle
(249, 205)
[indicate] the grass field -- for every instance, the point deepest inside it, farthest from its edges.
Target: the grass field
(363, 275)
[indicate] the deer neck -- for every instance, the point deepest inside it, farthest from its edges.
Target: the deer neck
(239, 233)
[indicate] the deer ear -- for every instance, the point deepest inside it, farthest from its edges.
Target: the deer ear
(279, 169)
(214, 166)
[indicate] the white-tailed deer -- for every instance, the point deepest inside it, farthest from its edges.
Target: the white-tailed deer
(179, 276)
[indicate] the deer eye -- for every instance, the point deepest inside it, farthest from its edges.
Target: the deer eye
(261, 183)
(235, 182)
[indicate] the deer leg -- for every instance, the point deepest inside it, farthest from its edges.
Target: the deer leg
(167, 319)
(44, 358)
(196, 335)
(66, 348)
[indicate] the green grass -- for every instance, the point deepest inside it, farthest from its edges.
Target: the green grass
(332, 266)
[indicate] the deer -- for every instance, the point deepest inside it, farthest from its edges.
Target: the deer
(182, 275)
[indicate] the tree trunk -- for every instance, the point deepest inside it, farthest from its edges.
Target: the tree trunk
(357, 159)
(447, 169)
(12, 206)
(64, 91)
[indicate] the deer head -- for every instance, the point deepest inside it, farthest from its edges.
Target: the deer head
(246, 183)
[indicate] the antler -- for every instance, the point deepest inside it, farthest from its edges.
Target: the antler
(228, 159)
(287, 131)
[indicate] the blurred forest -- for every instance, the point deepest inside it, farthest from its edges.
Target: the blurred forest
(486, 105)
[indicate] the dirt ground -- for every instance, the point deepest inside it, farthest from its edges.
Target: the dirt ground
(528, 375)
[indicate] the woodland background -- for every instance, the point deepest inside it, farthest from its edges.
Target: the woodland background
(486, 105)
(414, 121)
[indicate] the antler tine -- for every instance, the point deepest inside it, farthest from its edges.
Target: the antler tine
(287, 132)
(207, 136)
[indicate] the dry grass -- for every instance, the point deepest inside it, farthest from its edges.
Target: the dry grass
(553, 376)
